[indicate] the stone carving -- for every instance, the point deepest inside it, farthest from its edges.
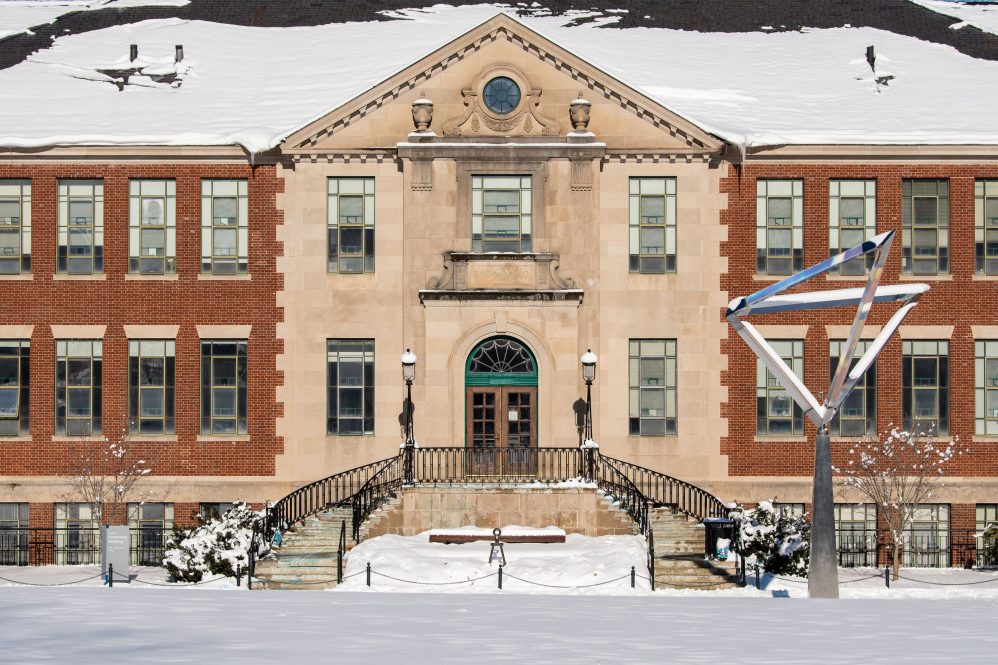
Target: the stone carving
(502, 276)
(578, 113)
(527, 119)
(422, 114)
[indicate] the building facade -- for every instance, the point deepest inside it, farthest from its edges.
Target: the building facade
(498, 207)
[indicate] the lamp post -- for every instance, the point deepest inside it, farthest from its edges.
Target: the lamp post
(588, 444)
(408, 374)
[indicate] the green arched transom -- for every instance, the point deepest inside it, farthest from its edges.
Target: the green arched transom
(501, 361)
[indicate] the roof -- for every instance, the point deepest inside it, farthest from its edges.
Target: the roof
(253, 86)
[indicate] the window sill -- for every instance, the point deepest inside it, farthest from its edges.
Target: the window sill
(760, 277)
(853, 439)
(61, 276)
(172, 277)
(224, 278)
(780, 439)
(926, 278)
(90, 439)
(25, 276)
(847, 278)
(333, 438)
(985, 278)
(652, 437)
(983, 438)
(153, 438)
(25, 438)
(216, 438)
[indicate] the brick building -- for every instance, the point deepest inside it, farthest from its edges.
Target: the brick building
(238, 311)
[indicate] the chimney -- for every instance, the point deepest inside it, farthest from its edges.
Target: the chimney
(178, 53)
(871, 57)
(133, 52)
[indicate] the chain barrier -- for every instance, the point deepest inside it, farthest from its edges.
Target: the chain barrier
(659, 583)
(86, 579)
(179, 585)
(860, 579)
(564, 586)
(399, 579)
(911, 579)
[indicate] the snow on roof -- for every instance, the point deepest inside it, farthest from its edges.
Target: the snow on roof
(983, 16)
(255, 86)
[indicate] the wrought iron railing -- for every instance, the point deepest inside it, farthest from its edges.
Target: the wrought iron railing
(317, 496)
(76, 546)
(663, 490)
(454, 466)
(386, 482)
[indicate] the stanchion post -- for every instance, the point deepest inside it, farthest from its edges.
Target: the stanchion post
(500, 576)
(339, 566)
(757, 584)
(632, 577)
(239, 575)
(110, 575)
(887, 575)
(368, 573)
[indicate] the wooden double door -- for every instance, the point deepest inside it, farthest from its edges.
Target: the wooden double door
(501, 430)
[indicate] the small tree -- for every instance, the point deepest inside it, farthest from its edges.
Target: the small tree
(106, 476)
(898, 474)
(779, 541)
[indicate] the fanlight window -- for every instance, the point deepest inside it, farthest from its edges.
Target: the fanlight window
(502, 356)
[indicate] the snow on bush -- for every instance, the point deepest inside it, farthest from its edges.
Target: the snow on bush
(779, 541)
(990, 548)
(216, 546)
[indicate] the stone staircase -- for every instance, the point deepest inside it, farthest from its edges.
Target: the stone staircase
(307, 557)
(622, 522)
(679, 555)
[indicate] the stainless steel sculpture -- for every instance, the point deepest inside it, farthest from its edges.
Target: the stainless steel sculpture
(823, 571)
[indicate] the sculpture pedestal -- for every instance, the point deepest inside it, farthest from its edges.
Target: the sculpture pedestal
(823, 571)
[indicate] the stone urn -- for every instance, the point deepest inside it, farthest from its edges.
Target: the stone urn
(422, 114)
(578, 113)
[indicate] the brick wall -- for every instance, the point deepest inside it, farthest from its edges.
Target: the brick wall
(115, 301)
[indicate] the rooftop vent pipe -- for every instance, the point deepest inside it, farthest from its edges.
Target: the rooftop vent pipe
(133, 52)
(178, 53)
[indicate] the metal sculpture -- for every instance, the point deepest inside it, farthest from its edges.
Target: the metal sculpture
(823, 573)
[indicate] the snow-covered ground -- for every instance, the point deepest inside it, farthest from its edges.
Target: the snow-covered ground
(980, 15)
(254, 86)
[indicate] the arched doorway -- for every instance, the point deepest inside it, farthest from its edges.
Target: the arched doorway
(501, 408)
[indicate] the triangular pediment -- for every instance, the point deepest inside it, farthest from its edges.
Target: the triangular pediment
(551, 77)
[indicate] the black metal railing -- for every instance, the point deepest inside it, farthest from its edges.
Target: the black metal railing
(317, 496)
(386, 482)
(613, 481)
(450, 466)
(664, 490)
(76, 546)
(857, 547)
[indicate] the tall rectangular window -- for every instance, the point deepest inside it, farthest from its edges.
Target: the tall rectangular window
(987, 514)
(15, 227)
(856, 534)
(985, 227)
(653, 225)
(151, 368)
(224, 227)
(78, 387)
(852, 220)
(652, 386)
(223, 386)
(350, 386)
(152, 227)
(13, 534)
(858, 414)
(925, 227)
(927, 537)
(925, 385)
(77, 534)
(788, 509)
(15, 396)
(149, 525)
(350, 225)
(986, 387)
(81, 227)
(779, 221)
(214, 511)
(501, 213)
(776, 411)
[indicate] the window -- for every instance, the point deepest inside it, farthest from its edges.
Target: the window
(652, 393)
(500, 213)
(987, 514)
(350, 386)
(351, 225)
(224, 227)
(986, 387)
(776, 411)
(15, 226)
(151, 368)
(925, 382)
(223, 386)
(985, 227)
(852, 220)
(927, 538)
(81, 227)
(78, 387)
(858, 414)
(77, 534)
(779, 226)
(150, 525)
(790, 509)
(15, 399)
(501, 95)
(925, 226)
(13, 534)
(213, 511)
(653, 225)
(152, 227)
(856, 534)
